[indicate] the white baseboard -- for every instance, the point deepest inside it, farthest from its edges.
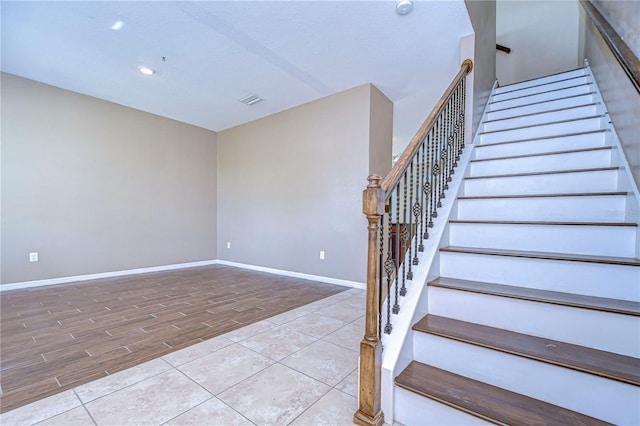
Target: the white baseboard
(65, 280)
(320, 278)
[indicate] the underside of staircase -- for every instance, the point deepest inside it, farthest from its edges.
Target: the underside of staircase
(535, 317)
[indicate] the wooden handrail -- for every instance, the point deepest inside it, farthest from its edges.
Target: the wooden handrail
(401, 165)
(433, 159)
(627, 59)
(504, 49)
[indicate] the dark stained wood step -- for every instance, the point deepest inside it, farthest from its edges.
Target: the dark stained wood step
(564, 135)
(543, 154)
(539, 93)
(538, 222)
(542, 102)
(540, 84)
(528, 126)
(610, 365)
(554, 172)
(611, 260)
(590, 104)
(485, 401)
(560, 194)
(625, 307)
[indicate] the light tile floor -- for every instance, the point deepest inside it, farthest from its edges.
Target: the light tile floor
(297, 368)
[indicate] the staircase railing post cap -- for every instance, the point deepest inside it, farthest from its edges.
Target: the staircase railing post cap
(469, 64)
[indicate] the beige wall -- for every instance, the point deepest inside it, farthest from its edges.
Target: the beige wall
(97, 187)
(624, 17)
(483, 18)
(543, 36)
(290, 185)
(621, 98)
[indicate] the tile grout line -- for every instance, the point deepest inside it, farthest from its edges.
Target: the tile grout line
(85, 407)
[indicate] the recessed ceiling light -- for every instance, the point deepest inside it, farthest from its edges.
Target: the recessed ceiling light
(146, 70)
(251, 99)
(117, 25)
(404, 7)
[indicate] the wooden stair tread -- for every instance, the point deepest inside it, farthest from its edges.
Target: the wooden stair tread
(485, 401)
(554, 172)
(542, 154)
(528, 126)
(590, 104)
(560, 194)
(539, 93)
(625, 307)
(564, 135)
(542, 102)
(538, 222)
(627, 261)
(541, 84)
(610, 365)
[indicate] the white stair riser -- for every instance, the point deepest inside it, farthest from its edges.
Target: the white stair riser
(585, 327)
(542, 163)
(546, 130)
(582, 209)
(539, 107)
(543, 80)
(556, 94)
(585, 393)
(593, 279)
(588, 240)
(591, 181)
(533, 90)
(413, 409)
(540, 118)
(538, 146)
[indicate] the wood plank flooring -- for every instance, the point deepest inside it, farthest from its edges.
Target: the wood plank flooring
(57, 337)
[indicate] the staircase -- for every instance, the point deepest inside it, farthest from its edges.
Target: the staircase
(535, 317)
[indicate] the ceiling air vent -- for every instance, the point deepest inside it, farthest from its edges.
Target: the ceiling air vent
(251, 99)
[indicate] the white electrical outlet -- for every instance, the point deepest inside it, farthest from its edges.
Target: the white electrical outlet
(228, 244)
(321, 254)
(33, 257)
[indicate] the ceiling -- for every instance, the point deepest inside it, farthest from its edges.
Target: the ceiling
(209, 54)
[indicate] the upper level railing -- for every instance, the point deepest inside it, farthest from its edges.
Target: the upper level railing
(400, 211)
(627, 59)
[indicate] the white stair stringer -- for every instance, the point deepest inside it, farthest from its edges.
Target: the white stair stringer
(541, 211)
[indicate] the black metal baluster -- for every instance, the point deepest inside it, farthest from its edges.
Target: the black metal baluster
(405, 230)
(458, 148)
(438, 166)
(387, 208)
(427, 186)
(464, 103)
(396, 306)
(421, 182)
(389, 269)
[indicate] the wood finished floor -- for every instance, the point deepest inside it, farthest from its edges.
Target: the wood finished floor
(57, 337)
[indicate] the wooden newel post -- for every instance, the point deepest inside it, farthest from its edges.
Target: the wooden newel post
(369, 410)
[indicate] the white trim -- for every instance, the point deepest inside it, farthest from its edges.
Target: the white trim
(64, 280)
(320, 278)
